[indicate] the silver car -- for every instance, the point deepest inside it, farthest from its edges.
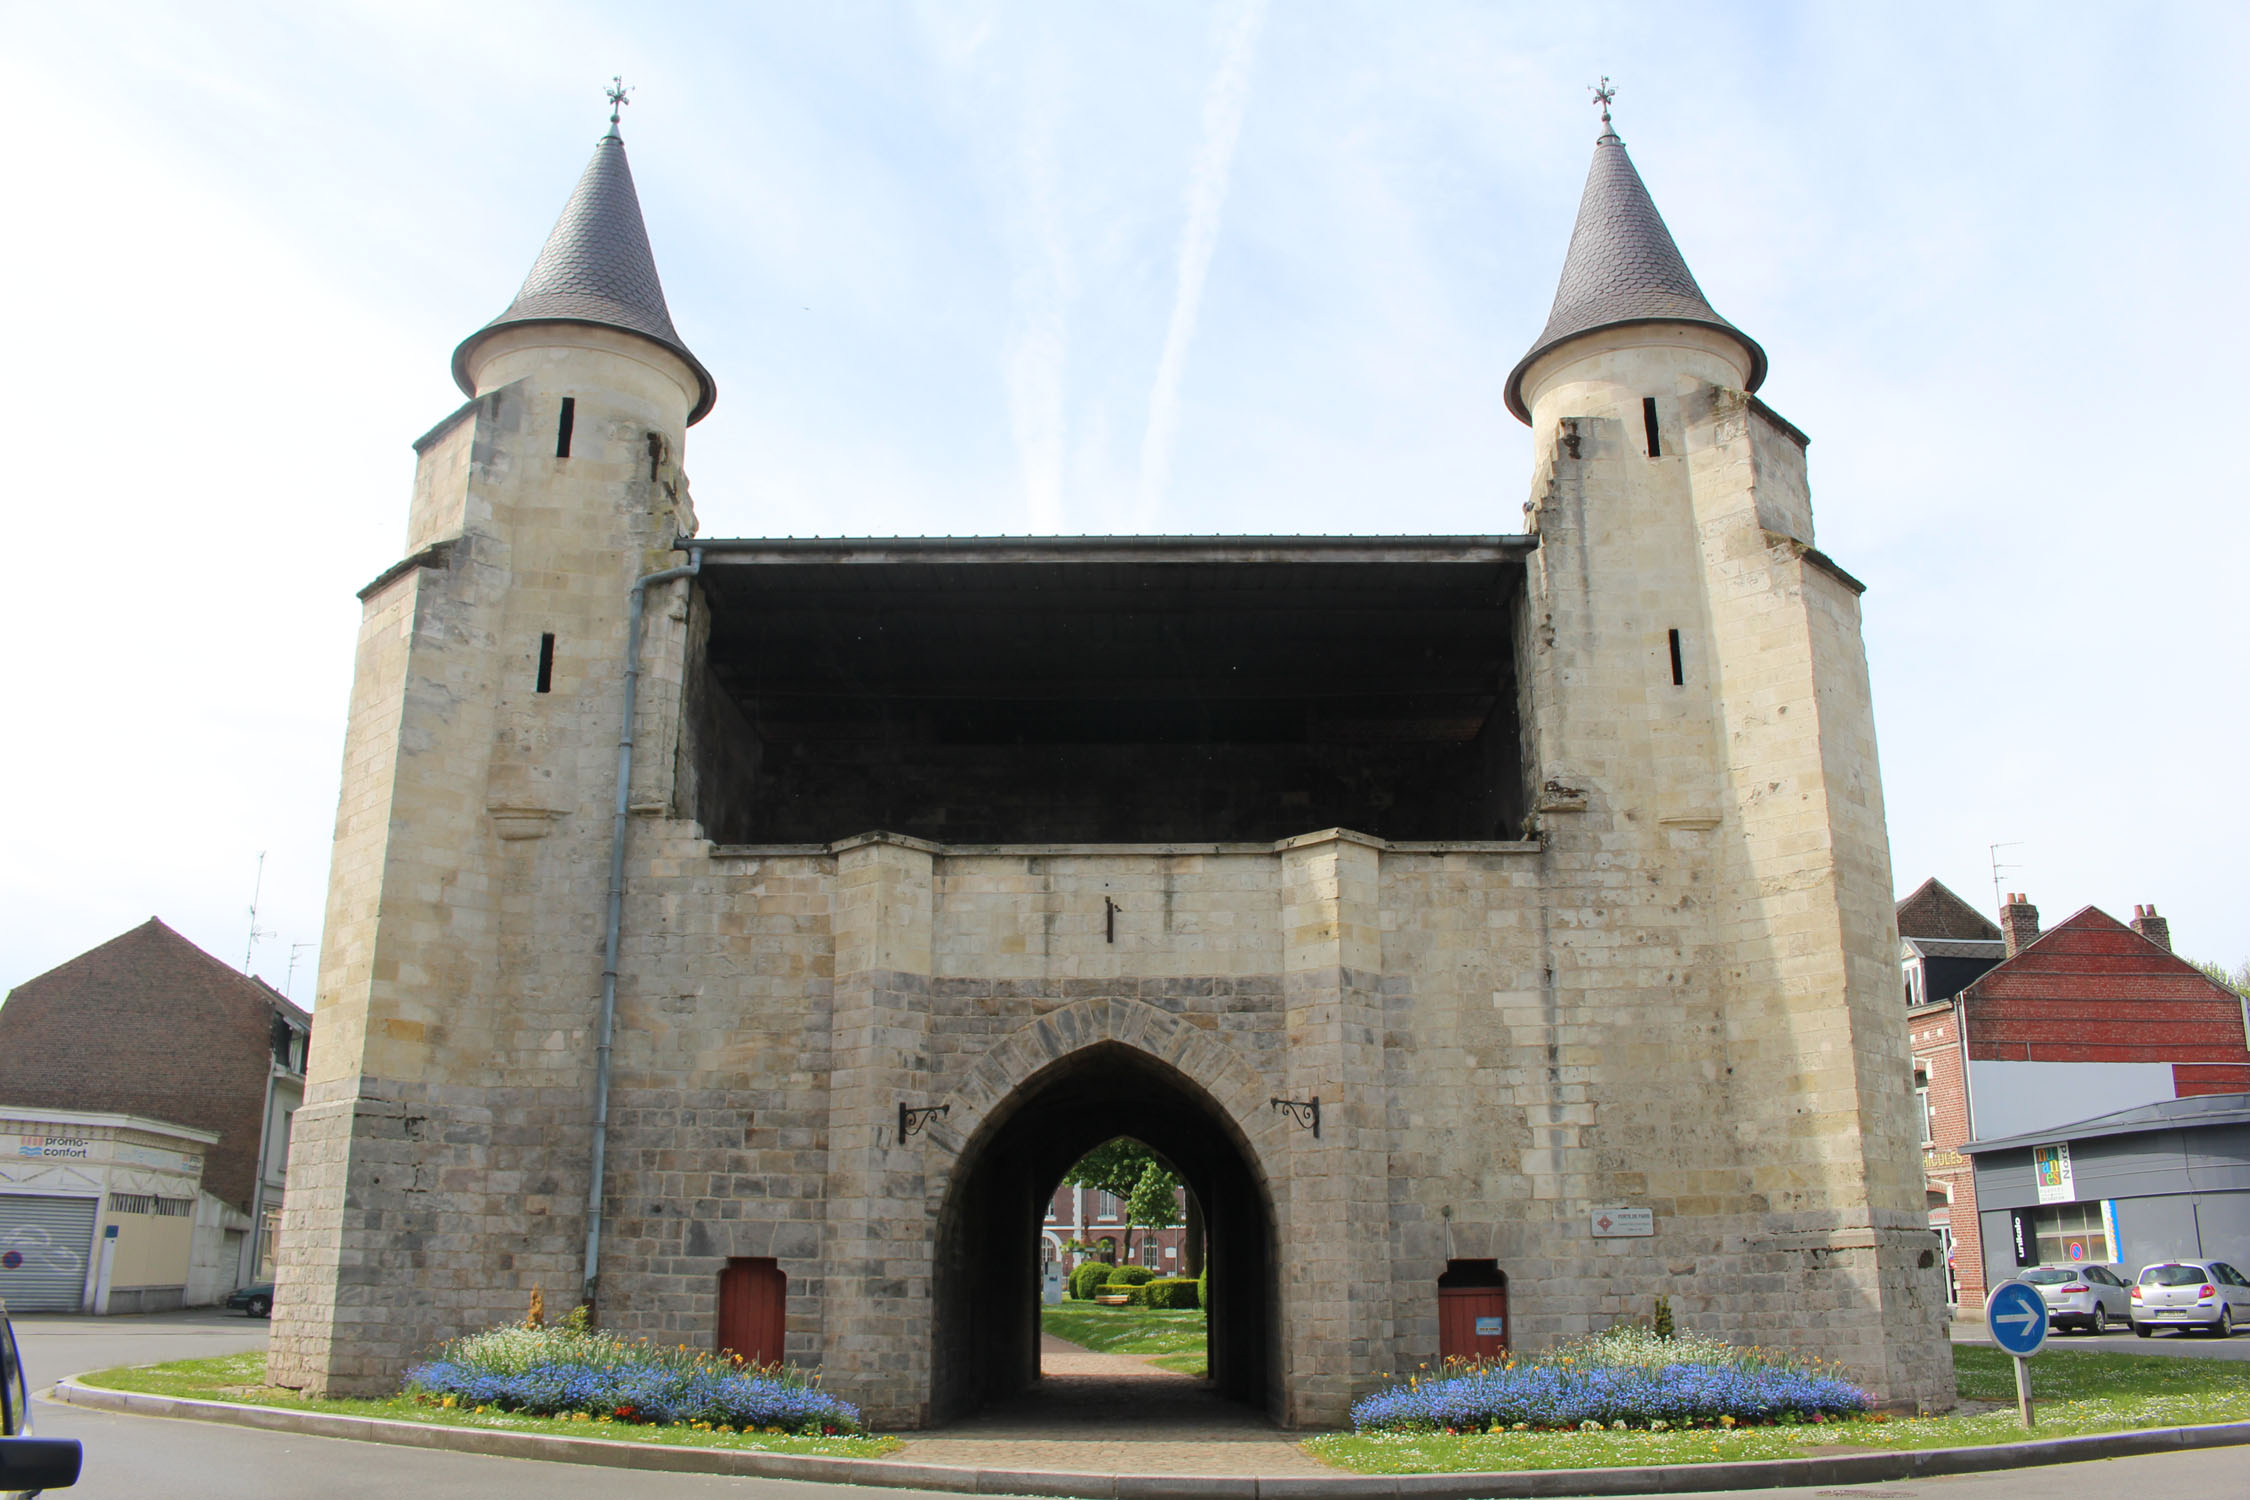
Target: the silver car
(2190, 1294)
(2082, 1295)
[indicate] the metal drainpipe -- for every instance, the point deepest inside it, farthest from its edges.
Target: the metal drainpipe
(614, 918)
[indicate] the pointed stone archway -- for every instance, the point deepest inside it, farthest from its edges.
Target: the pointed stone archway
(1035, 1104)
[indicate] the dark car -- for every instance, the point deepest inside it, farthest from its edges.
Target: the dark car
(27, 1464)
(255, 1301)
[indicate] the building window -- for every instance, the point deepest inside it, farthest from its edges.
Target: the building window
(269, 1235)
(1916, 992)
(174, 1208)
(2069, 1232)
(1922, 1106)
(132, 1203)
(1106, 1206)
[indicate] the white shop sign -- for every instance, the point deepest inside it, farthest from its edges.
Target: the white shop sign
(1623, 1223)
(2050, 1165)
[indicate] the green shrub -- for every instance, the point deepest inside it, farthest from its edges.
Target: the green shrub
(1167, 1291)
(1087, 1280)
(1203, 1288)
(1130, 1276)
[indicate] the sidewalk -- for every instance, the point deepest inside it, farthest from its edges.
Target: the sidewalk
(1115, 1413)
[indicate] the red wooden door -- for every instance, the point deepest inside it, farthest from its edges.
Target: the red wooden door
(1472, 1322)
(753, 1308)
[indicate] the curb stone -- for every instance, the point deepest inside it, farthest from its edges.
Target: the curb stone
(1533, 1484)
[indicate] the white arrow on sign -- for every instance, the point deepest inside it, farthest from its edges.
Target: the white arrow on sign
(2020, 1319)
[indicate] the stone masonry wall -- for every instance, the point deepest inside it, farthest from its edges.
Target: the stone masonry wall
(1681, 997)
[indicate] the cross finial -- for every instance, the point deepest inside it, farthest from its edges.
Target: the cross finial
(616, 95)
(1603, 93)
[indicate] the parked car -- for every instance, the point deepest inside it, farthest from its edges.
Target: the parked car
(2082, 1295)
(2190, 1294)
(254, 1301)
(27, 1464)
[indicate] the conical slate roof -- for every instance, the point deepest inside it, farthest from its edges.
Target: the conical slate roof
(1622, 268)
(597, 269)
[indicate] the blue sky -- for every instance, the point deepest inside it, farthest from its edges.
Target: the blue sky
(975, 268)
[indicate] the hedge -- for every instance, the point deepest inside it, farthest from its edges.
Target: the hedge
(1086, 1280)
(1166, 1291)
(1130, 1276)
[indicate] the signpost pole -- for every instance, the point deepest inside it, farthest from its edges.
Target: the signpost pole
(2016, 1317)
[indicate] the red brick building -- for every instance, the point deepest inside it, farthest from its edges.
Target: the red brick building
(2014, 1030)
(148, 1024)
(1088, 1216)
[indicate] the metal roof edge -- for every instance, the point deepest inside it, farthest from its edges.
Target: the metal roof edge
(2097, 1127)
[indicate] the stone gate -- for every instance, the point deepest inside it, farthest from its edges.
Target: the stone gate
(819, 901)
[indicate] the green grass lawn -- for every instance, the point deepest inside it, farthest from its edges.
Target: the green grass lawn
(2074, 1393)
(1174, 1334)
(237, 1378)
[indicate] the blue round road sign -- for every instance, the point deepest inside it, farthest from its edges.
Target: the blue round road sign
(2016, 1316)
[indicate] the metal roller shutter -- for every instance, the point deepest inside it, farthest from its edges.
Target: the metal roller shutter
(44, 1245)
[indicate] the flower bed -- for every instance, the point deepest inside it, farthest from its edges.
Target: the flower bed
(598, 1377)
(1620, 1380)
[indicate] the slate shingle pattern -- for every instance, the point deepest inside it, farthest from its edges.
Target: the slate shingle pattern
(1623, 267)
(597, 268)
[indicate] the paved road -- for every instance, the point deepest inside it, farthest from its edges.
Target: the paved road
(2169, 1341)
(133, 1458)
(55, 1345)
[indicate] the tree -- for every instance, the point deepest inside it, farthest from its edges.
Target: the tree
(1155, 1201)
(1114, 1167)
(1127, 1170)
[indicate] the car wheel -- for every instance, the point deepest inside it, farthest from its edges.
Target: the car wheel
(258, 1307)
(2099, 1322)
(2142, 1330)
(2224, 1327)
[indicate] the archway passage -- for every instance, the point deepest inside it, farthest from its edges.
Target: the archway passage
(986, 1328)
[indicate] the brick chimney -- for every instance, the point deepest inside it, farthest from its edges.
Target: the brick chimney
(2153, 927)
(2019, 923)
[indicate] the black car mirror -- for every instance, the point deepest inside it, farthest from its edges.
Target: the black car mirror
(39, 1463)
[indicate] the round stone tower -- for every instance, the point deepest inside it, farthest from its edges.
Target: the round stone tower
(442, 1143)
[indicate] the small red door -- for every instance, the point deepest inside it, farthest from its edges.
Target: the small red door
(753, 1310)
(1472, 1304)
(1472, 1322)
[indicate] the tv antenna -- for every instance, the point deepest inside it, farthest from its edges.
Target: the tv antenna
(1992, 852)
(288, 984)
(256, 932)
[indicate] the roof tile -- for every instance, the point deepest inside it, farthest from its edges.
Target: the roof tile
(597, 268)
(1623, 268)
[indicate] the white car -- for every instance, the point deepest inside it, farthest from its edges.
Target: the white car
(2190, 1294)
(2081, 1295)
